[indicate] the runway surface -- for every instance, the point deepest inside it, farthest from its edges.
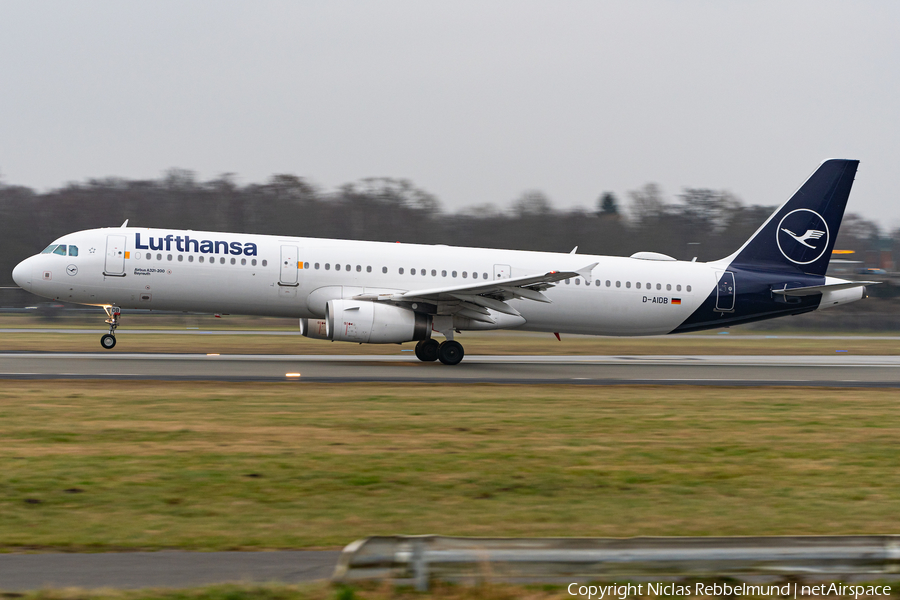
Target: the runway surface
(838, 370)
(281, 332)
(132, 570)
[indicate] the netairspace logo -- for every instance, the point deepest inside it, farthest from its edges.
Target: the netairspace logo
(623, 591)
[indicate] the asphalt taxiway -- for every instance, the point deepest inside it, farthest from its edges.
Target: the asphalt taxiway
(134, 570)
(840, 370)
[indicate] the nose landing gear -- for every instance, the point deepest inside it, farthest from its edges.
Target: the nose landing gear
(108, 341)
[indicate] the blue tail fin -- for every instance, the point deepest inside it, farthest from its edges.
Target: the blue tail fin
(800, 235)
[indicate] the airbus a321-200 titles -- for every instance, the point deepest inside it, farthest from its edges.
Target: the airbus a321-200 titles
(390, 293)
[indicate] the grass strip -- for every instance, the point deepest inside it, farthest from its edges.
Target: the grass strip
(219, 466)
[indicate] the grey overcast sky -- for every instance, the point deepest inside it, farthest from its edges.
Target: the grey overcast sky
(474, 101)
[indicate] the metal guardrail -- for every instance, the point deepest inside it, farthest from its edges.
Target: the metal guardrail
(417, 560)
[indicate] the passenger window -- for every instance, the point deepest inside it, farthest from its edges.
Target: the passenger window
(253, 262)
(233, 261)
(73, 250)
(200, 259)
(316, 265)
(265, 262)
(577, 281)
(244, 262)
(433, 273)
(190, 258)
(658, 286)
(61, 250)
(688, 288)
(608, 283)
(369, 269)
(678, 287)
(423, 272)
(169, 258)
(180, 258)
(347, 267)
(358, 268)
(638, 285)
(401, 270)
(327, 266)
(618, 284)
(597, 283)
(484, 275)
(384, 269)
(453, 274)
(568, 282)
(465, 274)
(337, 267)
(412, 271)
(222, 261)
(159, 257)
(443, 273)
(149, 256)
(668, 287)
(474, 275)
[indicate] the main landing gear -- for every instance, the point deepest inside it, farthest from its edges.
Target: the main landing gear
(108, 341)
(450, 352)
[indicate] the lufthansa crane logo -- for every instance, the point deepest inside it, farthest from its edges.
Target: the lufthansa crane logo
(802, 236)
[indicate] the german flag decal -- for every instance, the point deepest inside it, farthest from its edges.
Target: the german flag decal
(676, 300)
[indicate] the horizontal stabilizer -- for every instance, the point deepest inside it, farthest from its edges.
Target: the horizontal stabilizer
(818, 289)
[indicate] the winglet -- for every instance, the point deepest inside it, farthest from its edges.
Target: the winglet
(586, 271)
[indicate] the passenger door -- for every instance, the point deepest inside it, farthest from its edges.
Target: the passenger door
(290, 266)
(725, 292)
(115, 256)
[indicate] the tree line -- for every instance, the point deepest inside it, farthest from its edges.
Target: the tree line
(702, 223)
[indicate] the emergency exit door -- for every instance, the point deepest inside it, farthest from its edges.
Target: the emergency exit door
(289, 266)
(115, 256)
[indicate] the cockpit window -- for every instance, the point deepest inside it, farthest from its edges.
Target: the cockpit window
(61, 250)
(73, 250)
(49, 249)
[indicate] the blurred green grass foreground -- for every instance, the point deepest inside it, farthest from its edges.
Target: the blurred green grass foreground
(102, 466)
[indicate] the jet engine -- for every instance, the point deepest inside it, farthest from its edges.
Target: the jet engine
(374, 323)
(314, 328)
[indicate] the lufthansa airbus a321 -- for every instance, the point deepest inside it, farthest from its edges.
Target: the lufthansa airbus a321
(382, 293)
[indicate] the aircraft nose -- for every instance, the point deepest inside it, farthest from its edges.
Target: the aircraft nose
(22, 274)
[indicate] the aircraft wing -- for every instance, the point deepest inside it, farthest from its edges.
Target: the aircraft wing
(474, 299)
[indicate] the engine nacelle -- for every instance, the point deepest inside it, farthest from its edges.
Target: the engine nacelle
(374, 323)
(314, 328)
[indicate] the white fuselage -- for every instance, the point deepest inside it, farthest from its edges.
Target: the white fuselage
(294, 277)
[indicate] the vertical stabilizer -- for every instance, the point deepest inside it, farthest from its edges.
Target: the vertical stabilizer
(800, 235)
